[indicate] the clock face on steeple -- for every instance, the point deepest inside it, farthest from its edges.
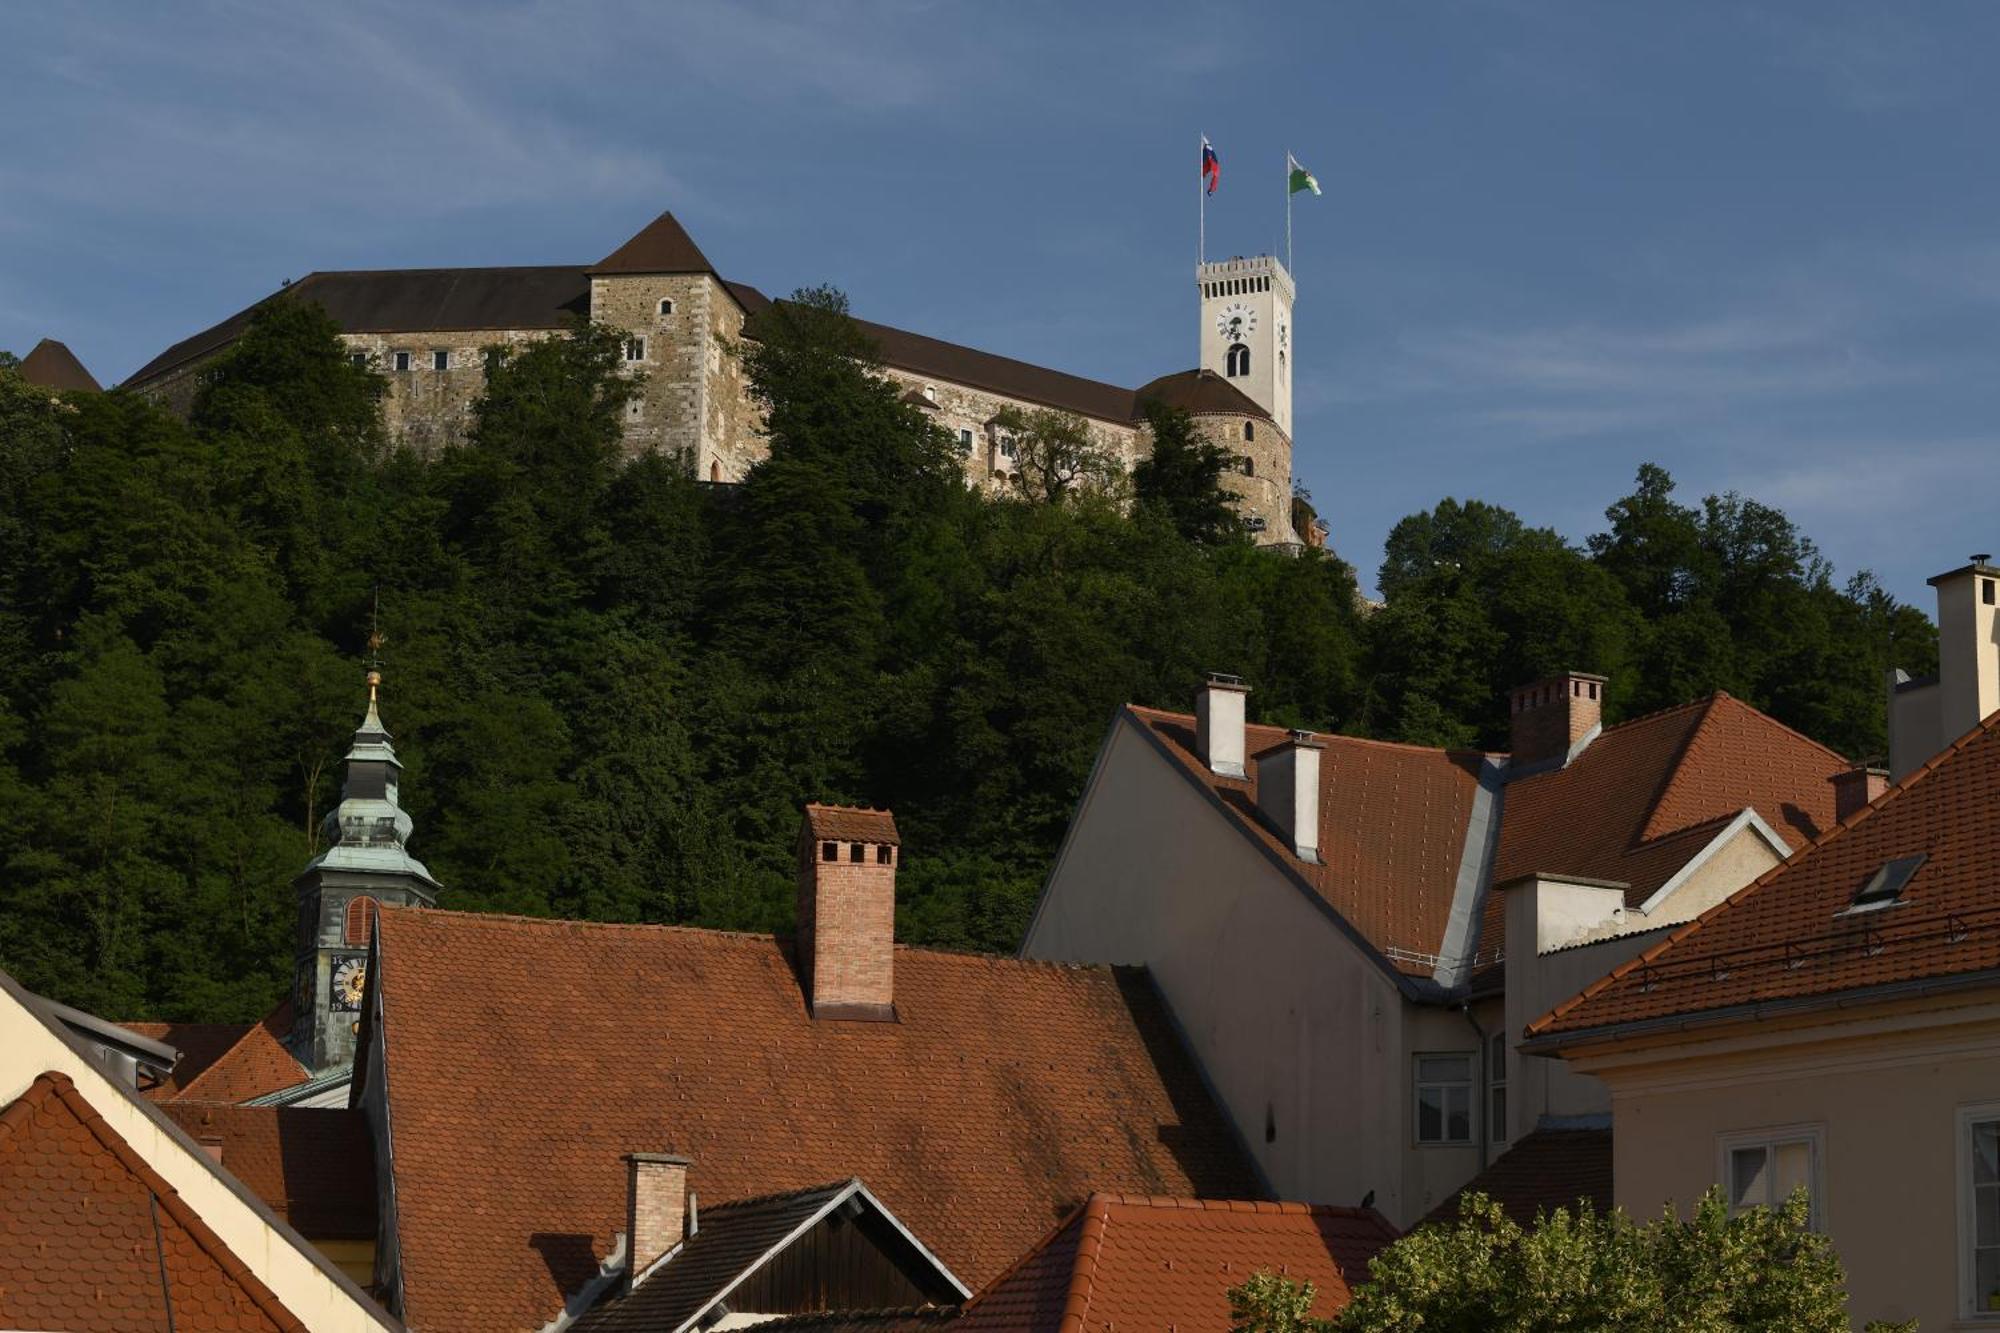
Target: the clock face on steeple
(1236, 321)
(350, 979)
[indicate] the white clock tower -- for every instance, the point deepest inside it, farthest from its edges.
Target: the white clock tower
(1246, 330)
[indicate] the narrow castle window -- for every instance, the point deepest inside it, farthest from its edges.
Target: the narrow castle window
(1249, 430)
(856, 853)
(402, 360)
(357, 359)
(930, 393)
(440, 360)
(829, 851)
(1249, 467)
(882, 854)
(635, 349)
(666, 306)
(1239, 359)
(715, 474)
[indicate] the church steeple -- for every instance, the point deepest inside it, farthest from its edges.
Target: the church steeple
(365, 865)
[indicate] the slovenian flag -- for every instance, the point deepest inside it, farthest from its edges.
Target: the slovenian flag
(1211, 165)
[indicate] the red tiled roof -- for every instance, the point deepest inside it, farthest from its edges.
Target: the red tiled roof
(848, 823)
(1547, 1170)
(86, 1227)
(1392, 829)
(200, 1045)
(256, 1063)
(315, 1168)
(1788, 938)
(525, 1057)
(1156, 1263)
(53, 366)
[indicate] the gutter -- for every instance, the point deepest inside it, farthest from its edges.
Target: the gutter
(1557, 1042)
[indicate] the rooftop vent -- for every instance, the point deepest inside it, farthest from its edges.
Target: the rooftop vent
(1886, 885)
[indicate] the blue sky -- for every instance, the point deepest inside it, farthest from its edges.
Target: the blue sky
(1753, 242)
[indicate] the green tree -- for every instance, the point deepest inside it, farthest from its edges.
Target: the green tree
(1181, 478)
(1057, 454)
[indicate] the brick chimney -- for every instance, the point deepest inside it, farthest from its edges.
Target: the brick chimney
(655, 1206)
(1218, 724)
(1288, 792)
(1552, 716)
(1854, 788)
(847, 912)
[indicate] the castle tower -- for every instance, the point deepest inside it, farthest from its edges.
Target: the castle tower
(1246, 330)
(364, 866)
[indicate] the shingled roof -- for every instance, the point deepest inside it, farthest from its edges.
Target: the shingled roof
(226, 1062)
(1160, 1263)
(661, 246)
(849, 823)
(90, 1233)
(1200, 393)
(53, 366)
(1792, 939)
(1546, 1170)
(1003, 1094)
(1393, 822)
(314, 1167)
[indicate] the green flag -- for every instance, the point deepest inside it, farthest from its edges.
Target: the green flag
(1301, 178)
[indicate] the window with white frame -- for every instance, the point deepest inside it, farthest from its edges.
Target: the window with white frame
(1444, 1098)
(1979, 1209)
(440, 359)
(666, 307)
(1496, 1087)
(635, 349)
(1763, 1167)
(402, 361)
(965, 442)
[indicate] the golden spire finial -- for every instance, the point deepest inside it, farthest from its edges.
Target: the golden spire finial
(375, 641)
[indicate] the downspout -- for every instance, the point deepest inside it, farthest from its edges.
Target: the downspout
(1485, 1106)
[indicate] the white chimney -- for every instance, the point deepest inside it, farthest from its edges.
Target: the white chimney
(1288, 792)
(1218, 724)
(656, 1201)
(1968, 648)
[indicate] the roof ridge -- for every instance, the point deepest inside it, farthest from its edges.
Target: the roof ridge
(1742, 895)
(176, 1207)
(1699, 701)
(17, 1112)
(1341, 736)
(1083, 1275)
(1266, 1207)
(1754, 711)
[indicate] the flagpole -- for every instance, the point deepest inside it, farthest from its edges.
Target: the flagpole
(1201, 204)
(1288, 217)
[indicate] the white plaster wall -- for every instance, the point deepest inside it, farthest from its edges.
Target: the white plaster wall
(1299, 1033)
(29, 1049)
(1885, 1095)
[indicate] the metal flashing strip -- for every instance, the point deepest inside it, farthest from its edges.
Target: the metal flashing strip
(1475, 863)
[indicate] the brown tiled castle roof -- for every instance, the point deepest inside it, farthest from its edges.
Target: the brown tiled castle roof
(1546, 1170)
(1392, 829)
(200, 1045)
(661, 246)
(1201, 393)
(524, 1057)
(314, 1167)
(848, 823)
(1788, 940)
(1161, 1263)
(89, 1232)
(53, 366)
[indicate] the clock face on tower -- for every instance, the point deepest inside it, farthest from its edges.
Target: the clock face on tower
(350, 978)
(1236, 321)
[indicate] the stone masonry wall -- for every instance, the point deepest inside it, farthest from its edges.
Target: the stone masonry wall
(965, 412)
(1264, 491)
(424, 407)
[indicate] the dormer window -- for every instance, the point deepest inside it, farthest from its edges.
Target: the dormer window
(1885, 887)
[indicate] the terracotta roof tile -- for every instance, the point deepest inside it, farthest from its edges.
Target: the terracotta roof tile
(1547, 1170)
(1002, 1094)
(847, 823)
(1168, 1263)
(1788, 938)
(314, 1167)
(86, 1226)
(256, 1063)
(1392, 829)
(200, 1045)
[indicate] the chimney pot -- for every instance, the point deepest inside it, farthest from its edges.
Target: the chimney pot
(655, 1207)
(847, 912)
(1218, 724)
(1288, 778)
(1855, 788)
(1551, 717)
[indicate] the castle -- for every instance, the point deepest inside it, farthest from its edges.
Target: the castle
(432, 333)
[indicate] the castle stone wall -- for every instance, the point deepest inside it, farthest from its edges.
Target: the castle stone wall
(424, 407)
(960, 409)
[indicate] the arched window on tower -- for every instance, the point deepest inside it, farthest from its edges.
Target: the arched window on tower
(1249, 430)
(715, 469)
(359, 928)
(1239, 359)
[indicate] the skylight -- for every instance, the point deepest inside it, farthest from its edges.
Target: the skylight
(1885, 886)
